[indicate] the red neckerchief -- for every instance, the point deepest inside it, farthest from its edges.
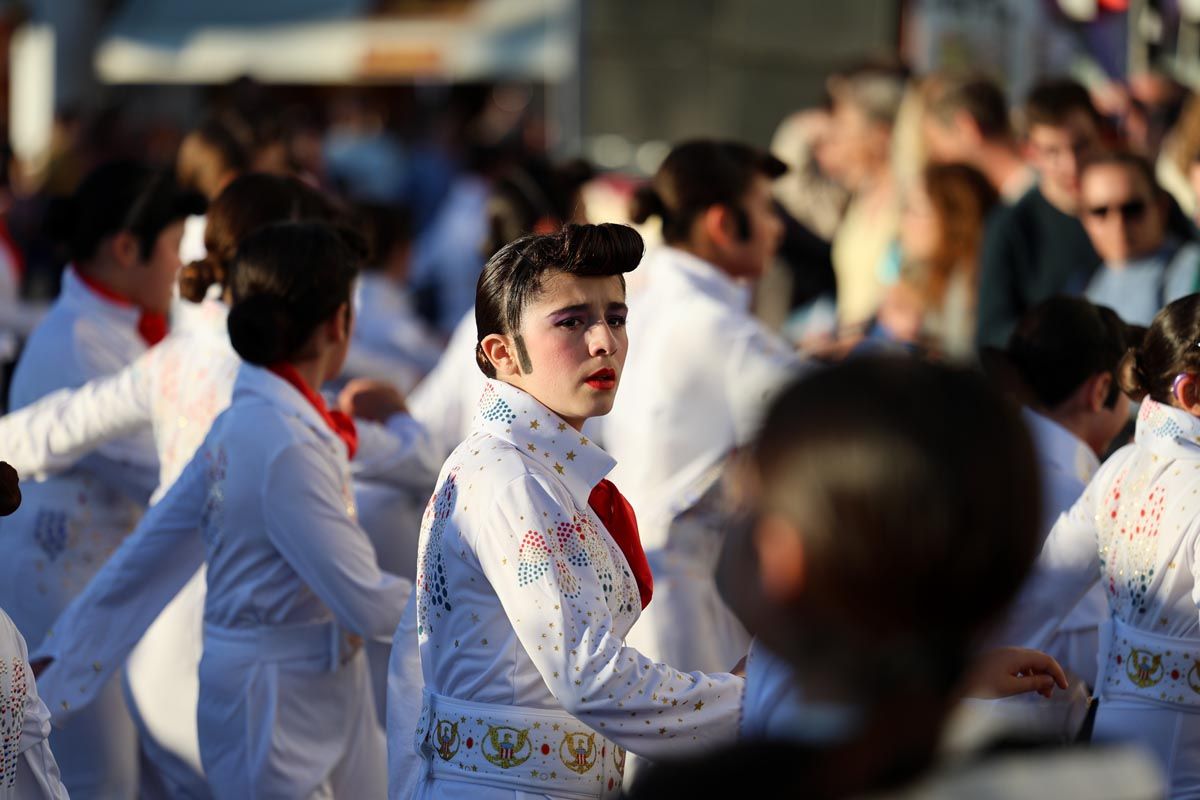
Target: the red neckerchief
(339, 423)
(152, 326)
(617, 515)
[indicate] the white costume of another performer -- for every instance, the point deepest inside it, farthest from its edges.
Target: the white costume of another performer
(176, 389)
(390, 341)
(67, 526)
(1067, 464)
(523, 601)
(444, 402)
(285, 701)
(692, 390)
(1136, 530)
(27, 767)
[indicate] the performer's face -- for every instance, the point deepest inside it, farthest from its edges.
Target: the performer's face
(571, 346)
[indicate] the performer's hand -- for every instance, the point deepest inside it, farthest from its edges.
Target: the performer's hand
(1008, 671)
(371, 399)
(10, 489)
(39, 666)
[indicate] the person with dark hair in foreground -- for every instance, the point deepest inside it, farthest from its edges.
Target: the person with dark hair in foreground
(889, 512)
(530, 571)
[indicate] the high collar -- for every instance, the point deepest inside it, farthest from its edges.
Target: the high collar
(670, 263)
(1168, 431)
(514, 416)
(77, 293)
(262, 383)
(1060, 448)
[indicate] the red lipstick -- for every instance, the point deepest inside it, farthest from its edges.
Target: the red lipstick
(602, 380)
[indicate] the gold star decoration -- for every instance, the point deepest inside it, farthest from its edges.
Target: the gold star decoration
(699, 705)
(562, 426)
(583, 440)
(531, 447)
(558, 468)
(534, 425)
(570, 455)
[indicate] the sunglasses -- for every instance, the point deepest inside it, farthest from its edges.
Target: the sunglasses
(1134, 209)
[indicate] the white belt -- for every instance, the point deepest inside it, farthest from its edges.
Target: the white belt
(1161, 670)
(325, 641)
(538, 750)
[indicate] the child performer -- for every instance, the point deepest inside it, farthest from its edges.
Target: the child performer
(123, 227)
(267, 503)
(530, 570)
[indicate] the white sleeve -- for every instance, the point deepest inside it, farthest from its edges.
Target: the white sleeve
(398, 453)
(308, 521)
(1067, 567)
(757, 366)
(405, 685)
(55, 432)
(24, 724)
(565, 626)
(91, 639)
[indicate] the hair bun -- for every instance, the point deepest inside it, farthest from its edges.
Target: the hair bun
(1131, 377)
(196, 277)
(647, 203)
(261, 330)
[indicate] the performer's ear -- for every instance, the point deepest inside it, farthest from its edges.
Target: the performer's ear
(502, 352)
(781, 558)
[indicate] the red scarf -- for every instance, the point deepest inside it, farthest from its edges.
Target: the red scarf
(338, 422)
(152, 326)
(617, 515)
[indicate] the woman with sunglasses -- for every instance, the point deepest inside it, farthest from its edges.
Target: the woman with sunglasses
(1136, 530)
(1147, 263)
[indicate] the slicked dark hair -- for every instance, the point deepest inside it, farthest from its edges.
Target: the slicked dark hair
(514, 276)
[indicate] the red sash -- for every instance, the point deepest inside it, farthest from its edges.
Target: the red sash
(617, 515)
(338, 422)
(152, 326)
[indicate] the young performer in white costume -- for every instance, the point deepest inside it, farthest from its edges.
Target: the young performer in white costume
(1136, 531)
(176, 389)
(123, 227)
(695, 384)
(267, 501)
(531, 572)
(889, 515)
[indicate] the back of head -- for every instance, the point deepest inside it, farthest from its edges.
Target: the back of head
(875, 88)
(287, 279)
(1052, 101)
(697, 175)
(1062, 342)
(535, 196)
(120, 196)
(246, 204)
(913, 489)
(979, 98)
(219, 147)
(1171, 346)
(962, 197)
(514, 276)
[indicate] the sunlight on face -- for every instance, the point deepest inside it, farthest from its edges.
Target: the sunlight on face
(572, 345)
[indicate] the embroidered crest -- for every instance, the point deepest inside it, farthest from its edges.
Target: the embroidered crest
(619, 759)
(1144, 668)
(447, 739)
(578, 751)
(506, 747)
